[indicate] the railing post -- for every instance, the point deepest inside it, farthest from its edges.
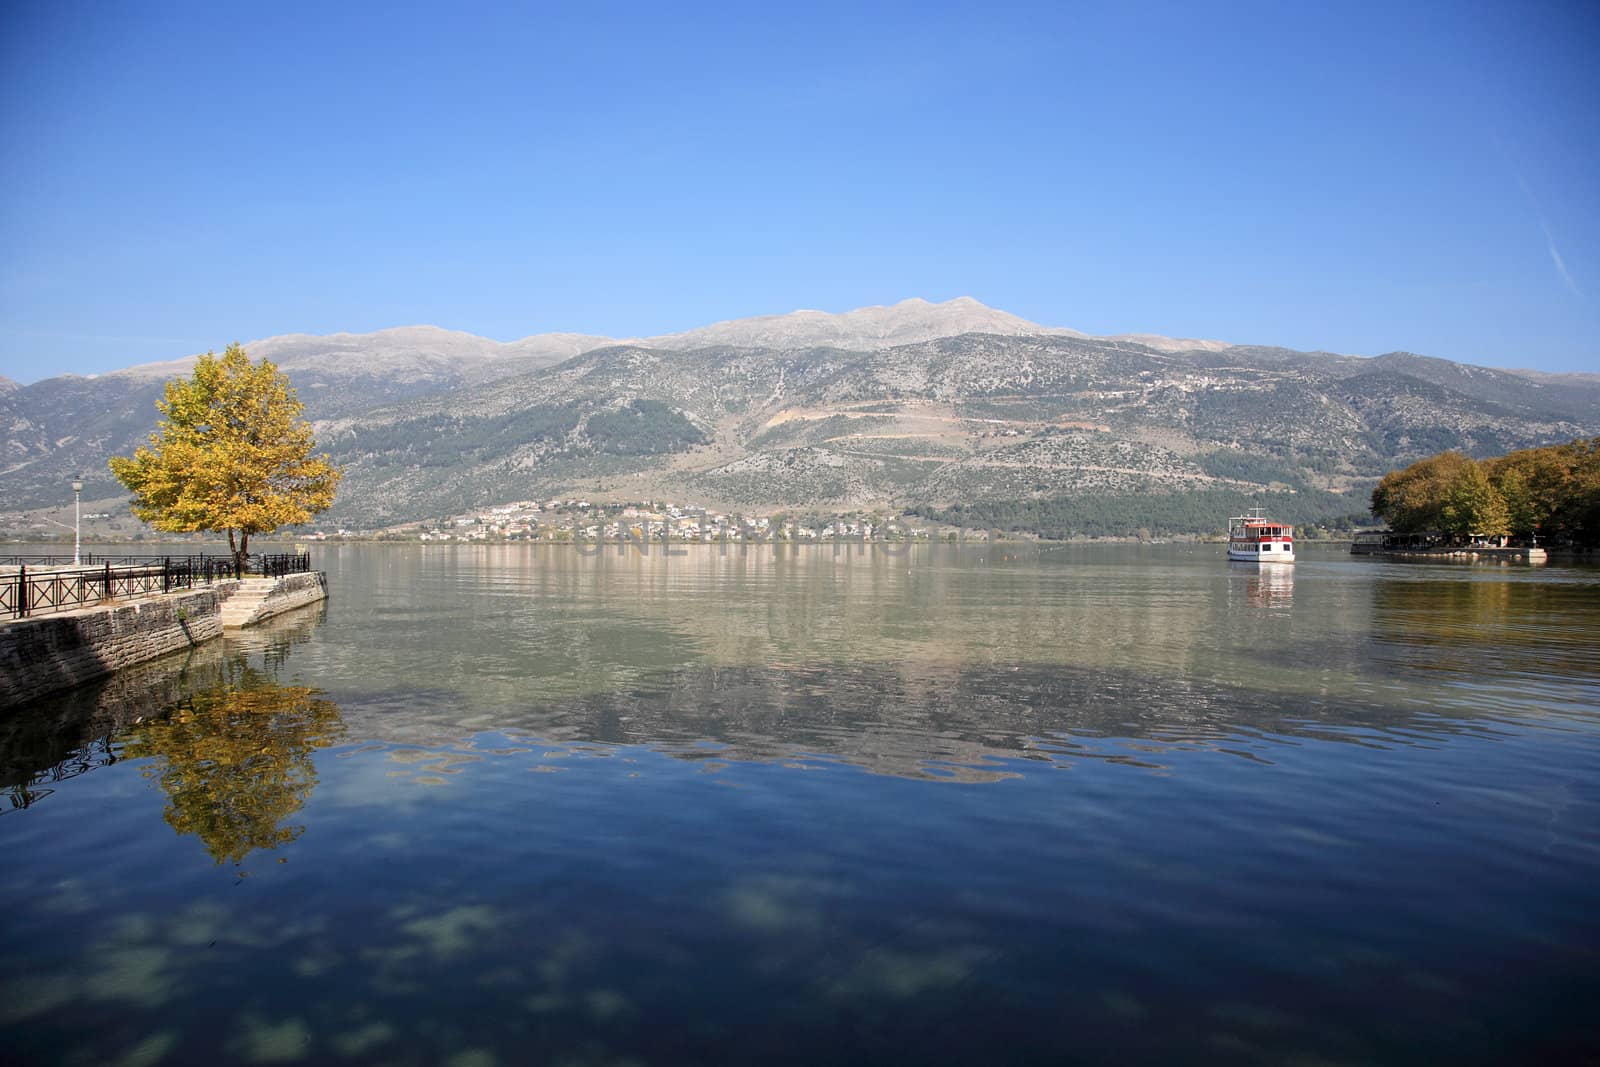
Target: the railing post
(166, 574)
(22, 591)
(105, 591)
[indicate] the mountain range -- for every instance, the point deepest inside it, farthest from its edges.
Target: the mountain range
(917, 405)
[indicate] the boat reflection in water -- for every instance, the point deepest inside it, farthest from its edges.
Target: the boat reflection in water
(1270, 586)
(1264, 585)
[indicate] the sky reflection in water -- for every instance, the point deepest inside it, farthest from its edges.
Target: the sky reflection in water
(508, 806)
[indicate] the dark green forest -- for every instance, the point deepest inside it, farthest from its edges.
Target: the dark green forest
(450, 440)
(643, 428)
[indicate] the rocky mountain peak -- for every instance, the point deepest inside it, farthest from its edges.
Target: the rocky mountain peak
(425, 352)
(866, 329)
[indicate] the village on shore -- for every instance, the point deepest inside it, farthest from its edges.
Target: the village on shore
(577, 520)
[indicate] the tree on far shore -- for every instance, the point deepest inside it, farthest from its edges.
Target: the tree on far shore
(1413, 499)
(231, 454)
(1552, 493)
(1473, 507)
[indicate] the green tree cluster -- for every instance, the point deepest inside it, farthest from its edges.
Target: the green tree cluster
(1552, 493)
(453, 440)
(1448, 493)
(643, 428)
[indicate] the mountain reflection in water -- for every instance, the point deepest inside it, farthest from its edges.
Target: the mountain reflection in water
(234, 753)
(525, 806)
(914, 683)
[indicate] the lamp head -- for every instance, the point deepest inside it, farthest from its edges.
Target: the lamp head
(77, 485)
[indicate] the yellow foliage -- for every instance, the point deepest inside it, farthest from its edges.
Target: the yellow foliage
(232, 453)
(236, 761)
(1550, 492)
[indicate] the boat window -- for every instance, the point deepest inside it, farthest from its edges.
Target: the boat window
(1266, 548)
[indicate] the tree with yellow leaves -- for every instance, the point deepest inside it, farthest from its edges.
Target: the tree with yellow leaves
(231, 453)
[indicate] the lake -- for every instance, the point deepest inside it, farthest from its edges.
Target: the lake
(977, 804)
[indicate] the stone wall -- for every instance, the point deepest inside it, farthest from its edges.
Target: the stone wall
(292, 591)
(77, 725)
(51, 652)
(42, 733)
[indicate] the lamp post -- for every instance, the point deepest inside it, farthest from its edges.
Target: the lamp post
(77, 537)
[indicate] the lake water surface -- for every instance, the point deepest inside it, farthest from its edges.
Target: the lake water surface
(522, 804)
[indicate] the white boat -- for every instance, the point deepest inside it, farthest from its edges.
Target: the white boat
(1254, 539)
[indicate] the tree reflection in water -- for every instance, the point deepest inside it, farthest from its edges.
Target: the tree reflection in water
(235, 760)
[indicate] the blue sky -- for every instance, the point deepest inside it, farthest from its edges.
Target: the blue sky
(1353, 178)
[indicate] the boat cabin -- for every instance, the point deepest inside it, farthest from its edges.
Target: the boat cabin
(1254, 537)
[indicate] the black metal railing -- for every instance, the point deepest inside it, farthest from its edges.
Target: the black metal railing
(277, 566)
(23, 594)
(35, 786)
(89, 559)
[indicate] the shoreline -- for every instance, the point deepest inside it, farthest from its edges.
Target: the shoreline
(45, 654)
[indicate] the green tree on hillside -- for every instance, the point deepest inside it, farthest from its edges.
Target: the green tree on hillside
(231, 453)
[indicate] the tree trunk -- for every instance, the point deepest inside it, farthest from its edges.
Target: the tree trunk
(241, 558)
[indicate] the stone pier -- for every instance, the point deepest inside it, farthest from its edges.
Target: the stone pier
(49, 653)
